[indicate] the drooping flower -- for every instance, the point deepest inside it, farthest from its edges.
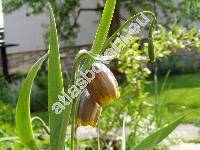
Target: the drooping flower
(104, 87)
(88, 110)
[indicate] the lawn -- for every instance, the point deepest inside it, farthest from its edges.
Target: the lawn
(180, 96)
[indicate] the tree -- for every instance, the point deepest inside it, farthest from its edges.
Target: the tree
(184, 10)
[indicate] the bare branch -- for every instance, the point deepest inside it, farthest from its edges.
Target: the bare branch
(86, 9)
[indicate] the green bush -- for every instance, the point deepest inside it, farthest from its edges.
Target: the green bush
(7, 123)
(9, 91)
(178, 65)
(39, 94)
(2, 84)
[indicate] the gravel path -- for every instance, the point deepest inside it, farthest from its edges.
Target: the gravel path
(186, 132)
(186, 146)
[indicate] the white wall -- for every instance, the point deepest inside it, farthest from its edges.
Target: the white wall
(1, 16)
(23, 30)
(88, 23)
(27, 31)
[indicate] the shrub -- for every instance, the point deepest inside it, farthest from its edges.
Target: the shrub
(2, 84)
(178, 65)
(39, 93)
(9, 91)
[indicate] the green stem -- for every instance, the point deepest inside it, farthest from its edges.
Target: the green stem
(156, 95)
(137, 121)
(83, 54)
(73, 114)
(133, 18)
(98, 138)
(160, 111)
(46, 128)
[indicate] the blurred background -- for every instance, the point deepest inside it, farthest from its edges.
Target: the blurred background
(152, 94)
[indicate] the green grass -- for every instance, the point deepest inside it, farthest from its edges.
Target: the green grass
(180, 96)
(179, 81)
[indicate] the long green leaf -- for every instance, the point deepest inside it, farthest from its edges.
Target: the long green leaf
(58, 122)
(102, 30)
(151, 141)
(104, 26)
(23, 117)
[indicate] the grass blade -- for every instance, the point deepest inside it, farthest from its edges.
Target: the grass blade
(164, 82)
(151, 141)
(124, 134)
(11, 139)
(23, 117)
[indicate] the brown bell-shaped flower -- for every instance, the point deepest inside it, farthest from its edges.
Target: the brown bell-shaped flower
(88, 111)
(104, 87)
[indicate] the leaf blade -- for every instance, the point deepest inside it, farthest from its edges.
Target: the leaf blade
(57, 122)
(104, 26)
(23, 117)
(151, 141)
(102, 31)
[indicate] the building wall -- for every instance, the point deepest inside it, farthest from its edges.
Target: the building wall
(1, 26)
(1, 16)
(25, 31)
(22, 61)
(88, 23)
(28, 31)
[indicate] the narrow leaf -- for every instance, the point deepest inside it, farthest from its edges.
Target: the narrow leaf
(124, 134)
(102, 30)
(23, 117)
(104, 26)
(58, 122)
(151, 141)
